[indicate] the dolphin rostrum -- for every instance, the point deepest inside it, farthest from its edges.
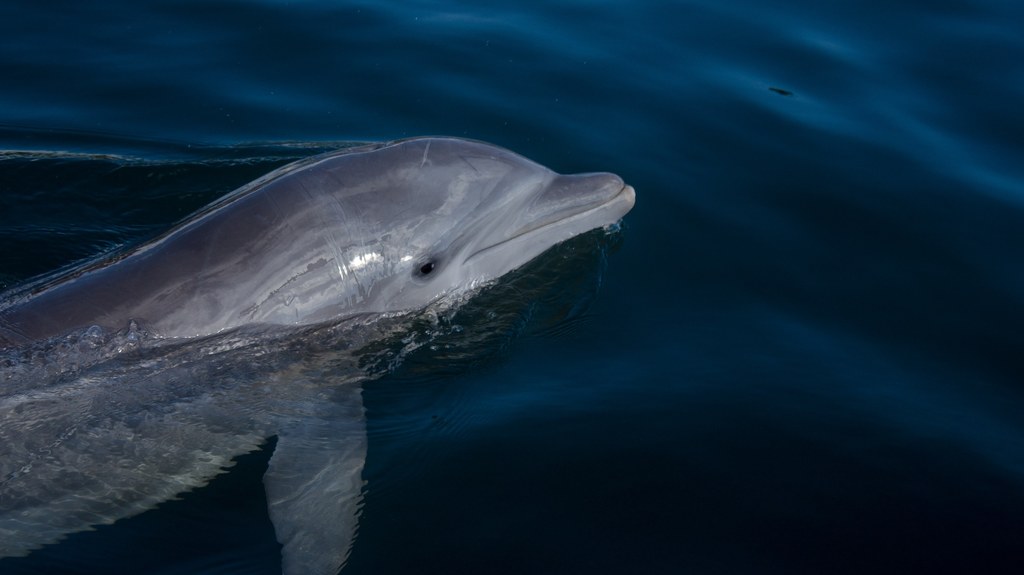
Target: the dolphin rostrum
(127, 381)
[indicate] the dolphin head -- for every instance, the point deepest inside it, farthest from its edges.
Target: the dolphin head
(412, 221)
(378, 229)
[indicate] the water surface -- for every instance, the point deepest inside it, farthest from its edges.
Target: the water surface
(805, 352)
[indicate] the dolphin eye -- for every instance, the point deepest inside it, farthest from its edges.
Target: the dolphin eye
(428, 268)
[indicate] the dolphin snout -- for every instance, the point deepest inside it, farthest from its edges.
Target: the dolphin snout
(628, 195)
(577, 192)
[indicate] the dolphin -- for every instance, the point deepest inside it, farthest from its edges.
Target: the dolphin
(129, 380)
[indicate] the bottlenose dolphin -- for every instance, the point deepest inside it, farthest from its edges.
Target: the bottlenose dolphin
(129, 380)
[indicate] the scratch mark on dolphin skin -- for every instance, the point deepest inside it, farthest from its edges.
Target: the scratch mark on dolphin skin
(10, 334)
(468, 163)
(425, 150)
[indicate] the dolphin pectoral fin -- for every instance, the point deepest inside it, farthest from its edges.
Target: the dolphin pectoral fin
(313, 485)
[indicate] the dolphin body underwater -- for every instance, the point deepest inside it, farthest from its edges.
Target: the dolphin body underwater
(130, 380)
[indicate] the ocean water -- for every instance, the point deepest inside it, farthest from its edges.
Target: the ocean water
(802, 353)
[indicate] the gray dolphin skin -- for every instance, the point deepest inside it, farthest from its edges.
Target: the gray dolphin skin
(245, 321)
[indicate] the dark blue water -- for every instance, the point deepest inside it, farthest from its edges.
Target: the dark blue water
(807, 351)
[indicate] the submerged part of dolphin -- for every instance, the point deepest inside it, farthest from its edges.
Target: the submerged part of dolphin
(337, 247)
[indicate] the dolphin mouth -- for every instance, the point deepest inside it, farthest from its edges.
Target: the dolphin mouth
(589, 217)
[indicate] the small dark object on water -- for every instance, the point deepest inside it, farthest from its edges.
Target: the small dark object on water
(780, 91)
